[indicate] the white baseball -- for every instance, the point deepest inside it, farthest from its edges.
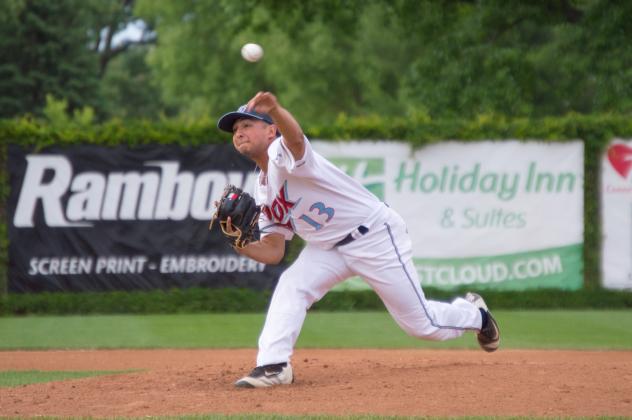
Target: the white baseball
(252, 52)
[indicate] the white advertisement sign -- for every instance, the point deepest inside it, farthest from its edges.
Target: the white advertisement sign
(616, 215)
(503, 214)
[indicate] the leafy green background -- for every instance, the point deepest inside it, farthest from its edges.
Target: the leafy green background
(324, 58)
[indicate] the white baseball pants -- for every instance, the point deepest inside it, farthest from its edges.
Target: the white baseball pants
(383, 257)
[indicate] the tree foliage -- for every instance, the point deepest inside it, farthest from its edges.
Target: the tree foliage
(43, 46)
(325, 59)
(128, 89)
(397, 57)
(63, 48)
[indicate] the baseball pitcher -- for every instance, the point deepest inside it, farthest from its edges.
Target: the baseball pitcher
(347, 231)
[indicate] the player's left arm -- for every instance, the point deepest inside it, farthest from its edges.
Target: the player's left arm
(291, 130)
(270, 249)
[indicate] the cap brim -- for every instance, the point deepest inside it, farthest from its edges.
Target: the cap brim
(227, 121)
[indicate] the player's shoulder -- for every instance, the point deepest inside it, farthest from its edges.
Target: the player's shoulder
(276, 150)
(281, 156)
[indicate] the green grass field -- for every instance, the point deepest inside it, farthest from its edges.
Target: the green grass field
(16, 378)
(520, 329)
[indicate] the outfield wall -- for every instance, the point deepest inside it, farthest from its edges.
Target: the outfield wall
(477, 211)
(506, 214)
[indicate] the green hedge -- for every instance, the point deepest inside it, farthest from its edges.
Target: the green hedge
(4, 240)
(156, 301)
(197, 300)
(594, 130)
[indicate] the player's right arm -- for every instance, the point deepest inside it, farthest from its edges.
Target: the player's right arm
(291, 130)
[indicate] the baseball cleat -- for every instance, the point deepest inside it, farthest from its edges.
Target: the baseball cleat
(489, 335)
(268, 375)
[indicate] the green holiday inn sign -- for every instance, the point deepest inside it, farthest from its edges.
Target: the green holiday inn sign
(503, 215)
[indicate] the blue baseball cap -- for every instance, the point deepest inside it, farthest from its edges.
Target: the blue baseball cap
(226, 122)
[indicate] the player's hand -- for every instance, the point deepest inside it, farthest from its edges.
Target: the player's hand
(229, 226)
(263, 102)
(229, 229)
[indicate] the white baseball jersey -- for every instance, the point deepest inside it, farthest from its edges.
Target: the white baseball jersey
(311, 197)
(320, 203)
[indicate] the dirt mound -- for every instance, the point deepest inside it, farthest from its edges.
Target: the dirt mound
(337, 382)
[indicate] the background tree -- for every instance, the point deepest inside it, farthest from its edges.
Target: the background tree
(63, 48)
(43, 45)
(524, 58)
(324, 58)
(442, 59)
(128, 89)
(127, 85)
(312, 55)
(108, 18)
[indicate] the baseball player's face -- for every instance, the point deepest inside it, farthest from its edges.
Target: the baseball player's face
(251, 137)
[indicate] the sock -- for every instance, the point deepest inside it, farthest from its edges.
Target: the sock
(484, 318)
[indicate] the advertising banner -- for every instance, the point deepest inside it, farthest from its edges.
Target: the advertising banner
(88, 218)
(501, 214)
(616, 215)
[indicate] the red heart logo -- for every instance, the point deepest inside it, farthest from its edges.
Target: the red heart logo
(620, 157)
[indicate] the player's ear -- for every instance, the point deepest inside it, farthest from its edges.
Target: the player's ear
(273, 131)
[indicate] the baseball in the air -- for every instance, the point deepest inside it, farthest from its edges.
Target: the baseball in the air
(252, 52)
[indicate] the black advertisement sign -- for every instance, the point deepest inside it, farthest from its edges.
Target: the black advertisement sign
(92, 218)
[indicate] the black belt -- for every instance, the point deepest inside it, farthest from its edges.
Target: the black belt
(361, 230)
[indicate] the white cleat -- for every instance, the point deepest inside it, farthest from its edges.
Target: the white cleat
(266, 376)
(488, 336)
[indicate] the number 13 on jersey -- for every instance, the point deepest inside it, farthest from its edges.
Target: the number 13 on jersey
(318, 209)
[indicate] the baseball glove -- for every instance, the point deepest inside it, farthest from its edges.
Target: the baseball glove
(243, 213)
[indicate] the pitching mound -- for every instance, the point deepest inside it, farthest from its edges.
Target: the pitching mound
(337, 382)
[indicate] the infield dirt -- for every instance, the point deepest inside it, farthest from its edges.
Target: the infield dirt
(336, 382)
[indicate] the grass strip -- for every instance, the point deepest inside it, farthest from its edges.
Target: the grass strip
(542, 329)
(13, 378)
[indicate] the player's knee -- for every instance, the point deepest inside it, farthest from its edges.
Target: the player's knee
(423, 330)
(419, 333)
(427, 335)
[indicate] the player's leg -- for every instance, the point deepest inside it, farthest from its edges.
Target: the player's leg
(306, 281)
(383, 257)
